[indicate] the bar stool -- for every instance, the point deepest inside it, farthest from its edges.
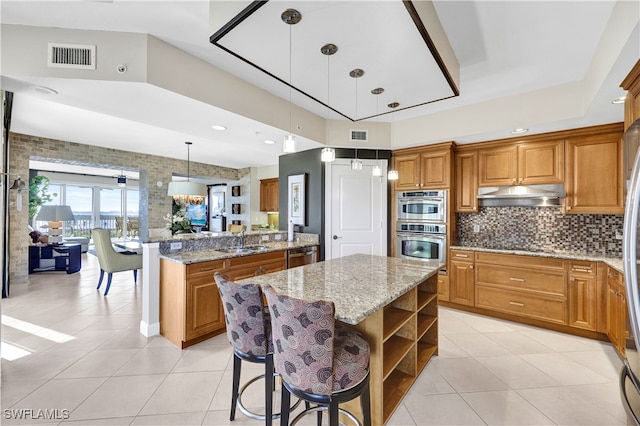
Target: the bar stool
(249, 332)
(320, 361)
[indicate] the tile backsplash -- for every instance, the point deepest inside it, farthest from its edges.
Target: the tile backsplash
(540, 229)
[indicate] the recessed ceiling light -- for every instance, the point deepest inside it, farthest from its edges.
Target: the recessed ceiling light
(218, 127)
(519, 130)
(619, 100)
(269, 142)
(42, 89)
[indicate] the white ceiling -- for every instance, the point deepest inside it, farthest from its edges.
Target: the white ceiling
(504, 48)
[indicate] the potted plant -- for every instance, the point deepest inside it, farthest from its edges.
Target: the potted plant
(38, 194)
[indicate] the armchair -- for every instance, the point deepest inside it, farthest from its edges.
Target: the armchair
(110, 260)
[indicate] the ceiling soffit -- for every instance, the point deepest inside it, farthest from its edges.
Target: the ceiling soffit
(381, 38)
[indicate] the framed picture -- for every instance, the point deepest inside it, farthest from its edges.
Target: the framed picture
(235, 191)
(296, 199)
(235, 208)
(197, 213)
(236, 222)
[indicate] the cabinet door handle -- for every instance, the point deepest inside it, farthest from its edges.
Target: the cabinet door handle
(211, 268)
(517, 304)
(581, 268)
(462, 255)
(520, 280)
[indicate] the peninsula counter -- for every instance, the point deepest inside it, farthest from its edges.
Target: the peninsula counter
(392, 302)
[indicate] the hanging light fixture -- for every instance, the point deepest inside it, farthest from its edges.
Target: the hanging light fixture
(356, 163)
(377, 170)
(393, 174)
(18, 185)
(122, 180)
(290, 17)
(328, 154)
(188, 192)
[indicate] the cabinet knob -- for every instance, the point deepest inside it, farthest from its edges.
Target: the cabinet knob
(470, 266)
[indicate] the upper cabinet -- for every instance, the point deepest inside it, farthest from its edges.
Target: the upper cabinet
(522, 164)
(426, 168)
(594, 181)
(632, 102)
(631, 113)
(466, 173)
(269, 195)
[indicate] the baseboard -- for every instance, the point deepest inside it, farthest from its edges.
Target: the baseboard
(149, 330)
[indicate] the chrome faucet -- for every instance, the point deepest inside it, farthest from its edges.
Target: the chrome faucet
(241, 235)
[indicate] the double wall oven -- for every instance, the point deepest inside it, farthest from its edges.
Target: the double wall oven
(421, 228)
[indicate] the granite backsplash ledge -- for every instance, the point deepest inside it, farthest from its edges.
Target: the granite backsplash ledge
(224, 240)
(544, 229)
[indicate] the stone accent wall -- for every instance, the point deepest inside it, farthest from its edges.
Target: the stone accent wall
(154, 202)
(541, 229)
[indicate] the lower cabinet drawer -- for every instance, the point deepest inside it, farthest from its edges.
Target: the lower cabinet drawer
(534, 280)
(523, 304)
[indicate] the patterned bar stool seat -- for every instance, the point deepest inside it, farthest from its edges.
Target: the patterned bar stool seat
(249, 333)
(320, 361)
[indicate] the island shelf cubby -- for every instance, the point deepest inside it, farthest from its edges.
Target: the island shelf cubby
(405, 337)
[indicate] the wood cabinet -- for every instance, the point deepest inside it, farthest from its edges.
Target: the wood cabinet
(461, 275)
(522, 164)
(631, 84)
(404, 337)
(466, 183)
(527, 286)
(426, 168)
(583, 295)
(269, 195)
(594, 181)
(616, 310)
(257, 264)
(443, 287)
(631, 113)
(190, 307)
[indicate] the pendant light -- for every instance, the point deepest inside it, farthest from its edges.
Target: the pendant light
(18, 185)
(393, 174)
(290, 17)
(328, 154)
(122, 180)
(356, 163)
(377, 170)
(187, 192)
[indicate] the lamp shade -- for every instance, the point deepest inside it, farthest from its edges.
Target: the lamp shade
(189, 188)
(55, 214)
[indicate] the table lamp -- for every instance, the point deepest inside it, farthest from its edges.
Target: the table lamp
(55, 215)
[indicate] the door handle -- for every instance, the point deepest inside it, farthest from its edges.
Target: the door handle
(335, 237)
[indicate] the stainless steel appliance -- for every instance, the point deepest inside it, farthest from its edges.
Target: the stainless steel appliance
(421, 241)
(630, 373)
(302, 256)
(422, 205)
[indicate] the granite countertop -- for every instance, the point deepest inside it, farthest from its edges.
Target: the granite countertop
(205, 255)
(358, 284)
(614, 262)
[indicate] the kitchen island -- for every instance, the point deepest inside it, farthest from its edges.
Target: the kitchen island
(391, 301)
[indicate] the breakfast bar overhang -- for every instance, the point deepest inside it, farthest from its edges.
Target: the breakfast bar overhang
(392, 301)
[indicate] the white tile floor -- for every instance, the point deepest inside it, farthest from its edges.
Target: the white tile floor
(66, 347)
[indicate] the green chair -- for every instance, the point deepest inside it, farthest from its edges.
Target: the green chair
(110, 260)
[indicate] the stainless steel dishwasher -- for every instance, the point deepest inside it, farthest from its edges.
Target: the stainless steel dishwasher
(302, 256)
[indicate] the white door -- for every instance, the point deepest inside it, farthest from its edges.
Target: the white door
(356, 205)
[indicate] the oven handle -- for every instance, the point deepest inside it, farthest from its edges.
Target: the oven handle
(421, 235)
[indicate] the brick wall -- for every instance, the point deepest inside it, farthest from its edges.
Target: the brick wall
(154, 202)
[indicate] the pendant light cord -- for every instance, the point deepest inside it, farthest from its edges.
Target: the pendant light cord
(290, 50)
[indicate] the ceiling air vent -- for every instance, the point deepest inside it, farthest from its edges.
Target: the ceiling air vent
(359, 136)
(75, 56)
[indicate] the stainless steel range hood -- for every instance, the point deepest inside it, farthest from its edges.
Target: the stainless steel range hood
(523, 196)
